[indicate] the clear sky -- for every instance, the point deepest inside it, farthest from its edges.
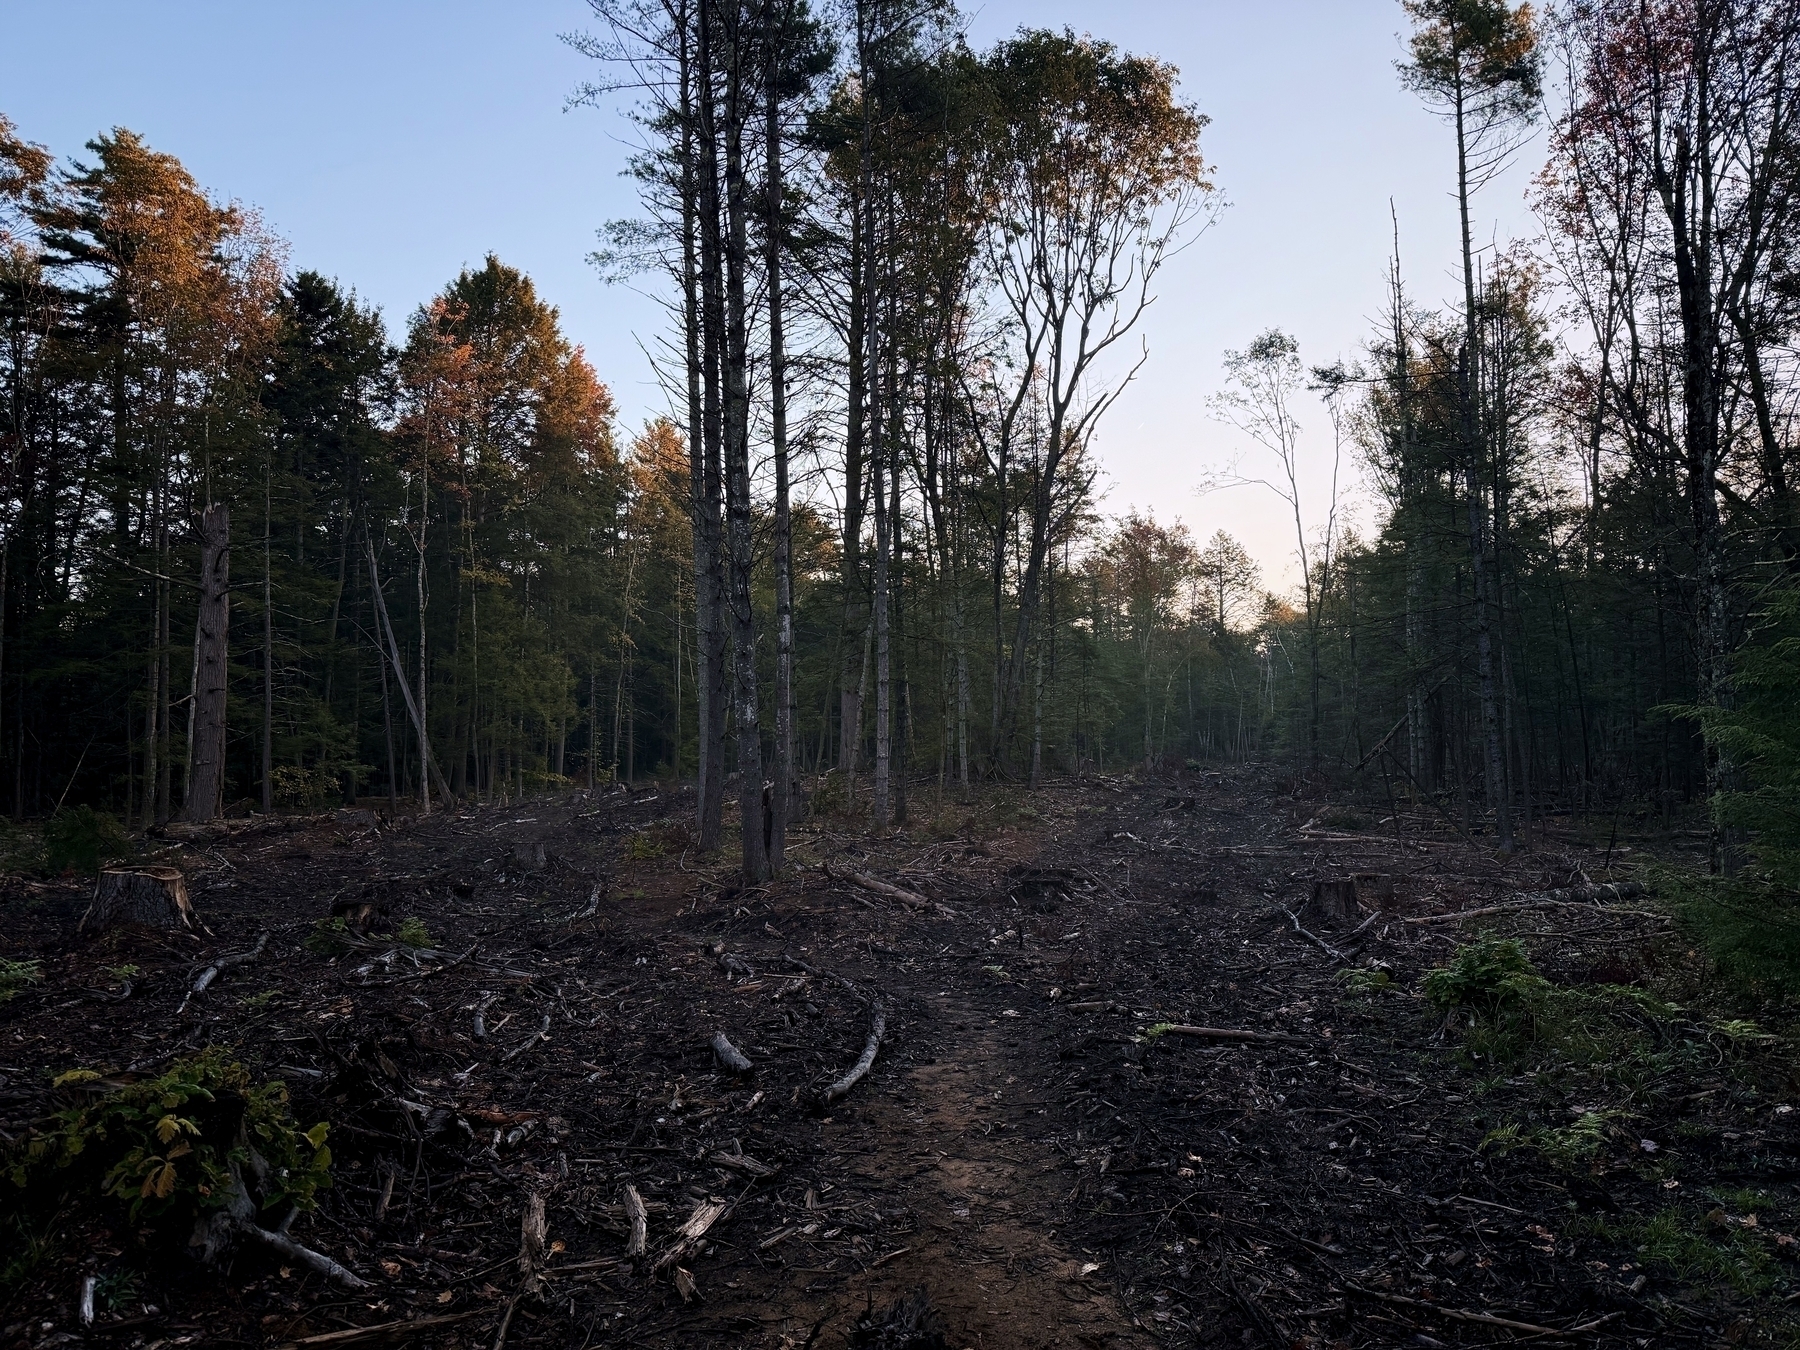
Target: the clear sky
(393, 142)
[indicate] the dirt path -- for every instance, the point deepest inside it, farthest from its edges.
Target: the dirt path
(1028, 1149)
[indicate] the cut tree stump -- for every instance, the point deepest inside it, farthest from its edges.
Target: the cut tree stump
(1334, 899)
(156, 896)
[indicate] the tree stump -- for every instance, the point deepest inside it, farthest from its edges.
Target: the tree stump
(529, 857)
(1334, 899)
(156, 896)
(1375, 890)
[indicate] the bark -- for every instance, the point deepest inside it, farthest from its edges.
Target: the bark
(148, 895)
(709, 525)
(206, 775)
(783, 796)
(746, 704)
(268, 672)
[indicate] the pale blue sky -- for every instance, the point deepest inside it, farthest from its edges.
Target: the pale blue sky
(393, 142)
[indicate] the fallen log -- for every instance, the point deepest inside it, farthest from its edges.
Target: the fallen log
(151, 895)
(858, 1071)
(1572, 895)
(729, 1055)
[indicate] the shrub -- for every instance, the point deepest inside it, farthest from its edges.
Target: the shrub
(294, 786)
(1371, 979)
(82, 839)
(1491, 977)
(645, 845)
(176, 1146)
(413, 932)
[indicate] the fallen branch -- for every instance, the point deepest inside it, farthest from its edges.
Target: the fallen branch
(1230, 1034)
(533, 1246)
(1485, 1319)
(1314, 938)
(218, 967)
(706, 1214)
(859, 1070)
(640, 1224)
(435, 971)
(306, 1256)
(743, 1162)
(729, 1055)
(402, 1330)
(593, 906)
(911, 899)
(1573, 895)
(541, 1034)
(481, 1008)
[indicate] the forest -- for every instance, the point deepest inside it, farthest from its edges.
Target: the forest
(258, 554)
(804, 869)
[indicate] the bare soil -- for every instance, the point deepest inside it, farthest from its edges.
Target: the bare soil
(1027, 1148)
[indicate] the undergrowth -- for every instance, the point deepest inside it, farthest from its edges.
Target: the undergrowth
(15, 975)
(1628, 1036)
(1695, 1247)
(168, 1149)
(1747, 927)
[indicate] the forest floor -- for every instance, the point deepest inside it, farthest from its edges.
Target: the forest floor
(1612, 1162)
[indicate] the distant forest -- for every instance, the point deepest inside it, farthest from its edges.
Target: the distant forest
(253, 555)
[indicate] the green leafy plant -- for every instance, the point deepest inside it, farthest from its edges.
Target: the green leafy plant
(413, 933)
(84, 840)
(644, 846)
(1491, 977)
(1685, 1244)
(176, 1146)
(15, 975)
(1572, 1147)
(294, 786)
(1368, 980)
(328, 937)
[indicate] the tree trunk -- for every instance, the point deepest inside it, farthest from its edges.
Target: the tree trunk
(206, 776)
(746, 703)
(781, 803)
(709, 525)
